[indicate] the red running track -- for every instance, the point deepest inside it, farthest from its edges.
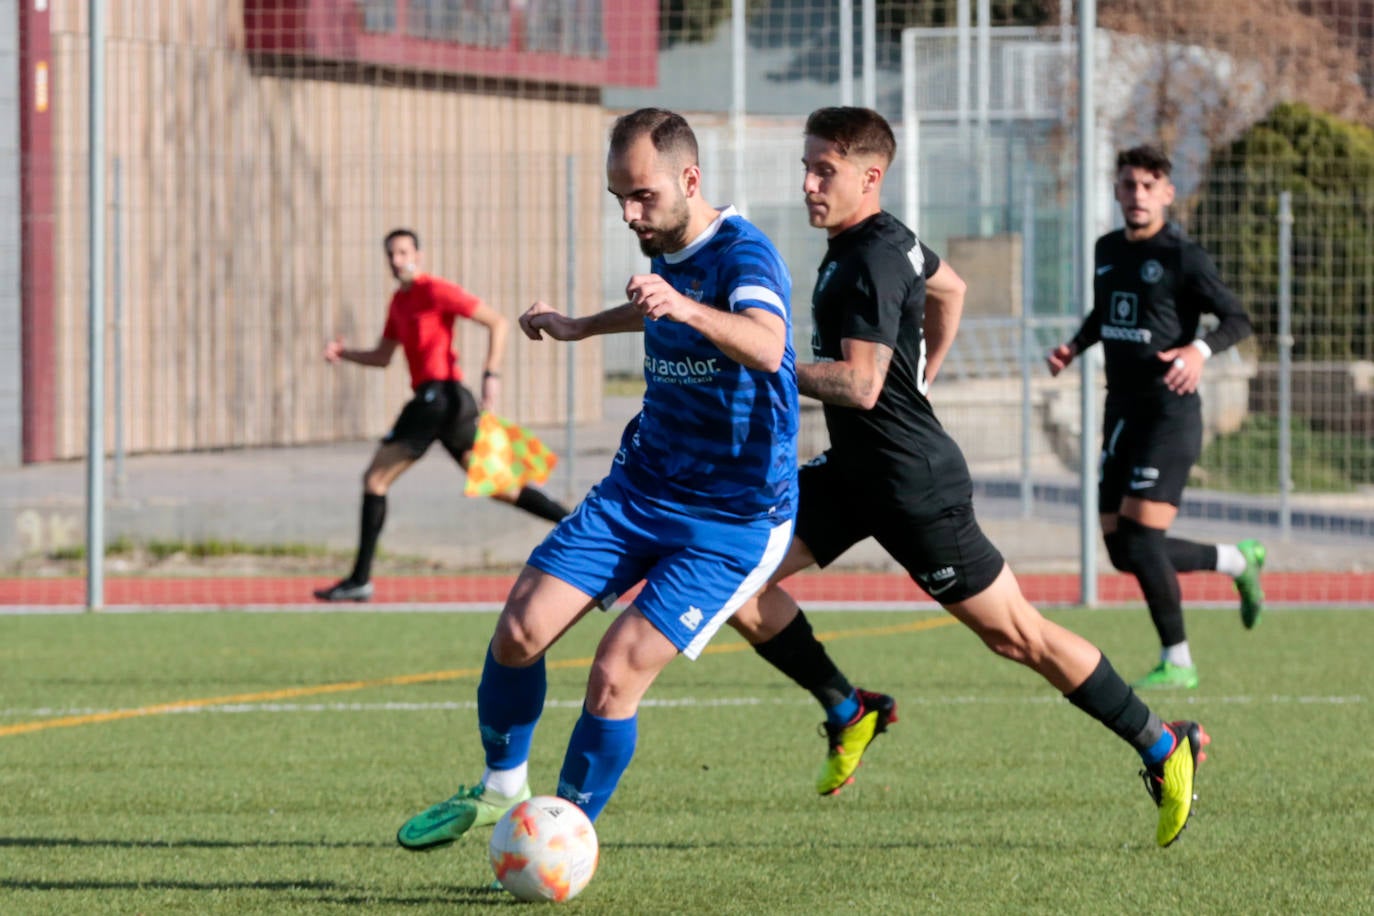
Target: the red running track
(1300, 588)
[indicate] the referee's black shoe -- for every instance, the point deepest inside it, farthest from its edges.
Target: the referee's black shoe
(345, 590)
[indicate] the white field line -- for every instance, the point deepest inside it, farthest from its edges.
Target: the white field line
(481, 607)
(673, 703)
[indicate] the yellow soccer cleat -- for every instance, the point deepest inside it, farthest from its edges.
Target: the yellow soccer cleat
(847, 743)
(1171, 782)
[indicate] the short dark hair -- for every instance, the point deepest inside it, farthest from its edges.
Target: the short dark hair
(668, 131)
(856, 131)
(1150, 158)
(400, 234)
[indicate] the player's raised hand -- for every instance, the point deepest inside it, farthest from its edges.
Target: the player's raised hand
(1059, 358)
(542, 318)
(1185, 370)
(657, 299)
(333, 351)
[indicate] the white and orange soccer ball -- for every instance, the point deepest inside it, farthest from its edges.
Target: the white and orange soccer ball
(544, 849)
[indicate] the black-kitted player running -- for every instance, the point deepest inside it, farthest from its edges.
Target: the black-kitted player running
(893, 473)
(1151, 287)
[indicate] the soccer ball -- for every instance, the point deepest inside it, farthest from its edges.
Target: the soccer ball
(544, 849)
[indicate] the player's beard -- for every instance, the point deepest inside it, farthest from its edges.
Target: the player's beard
(671, 237)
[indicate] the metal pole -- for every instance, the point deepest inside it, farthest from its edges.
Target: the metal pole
(846, 52)
(911, 133)
(1027, 341)
(1087, 184)
(117, 326)
(1285, 363)
(570, 438)
(870, 28)
(95, 311)
(985, 225)
(962, 42)
(738, 39)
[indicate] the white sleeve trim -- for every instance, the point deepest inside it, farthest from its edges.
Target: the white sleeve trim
(1203, 348)
(761, 294)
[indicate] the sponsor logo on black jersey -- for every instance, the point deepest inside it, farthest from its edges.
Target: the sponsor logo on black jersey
(1124, 316)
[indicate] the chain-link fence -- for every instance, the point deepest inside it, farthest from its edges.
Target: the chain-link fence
(256, 152)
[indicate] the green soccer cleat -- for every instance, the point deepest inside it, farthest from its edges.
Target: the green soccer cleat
(441, 824)
(1248, 583)
(1171, 781)
(847, 743)
(1168, 676)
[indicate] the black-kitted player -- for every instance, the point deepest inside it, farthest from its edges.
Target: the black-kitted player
(1151, 287)
(893, 473)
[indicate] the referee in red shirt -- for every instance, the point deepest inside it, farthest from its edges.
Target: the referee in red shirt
(420, 322)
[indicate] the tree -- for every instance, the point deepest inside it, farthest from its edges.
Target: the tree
(1328, 166)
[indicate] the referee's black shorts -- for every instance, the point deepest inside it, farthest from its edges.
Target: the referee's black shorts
(943, 549)
(1149, 446)
(445, 412)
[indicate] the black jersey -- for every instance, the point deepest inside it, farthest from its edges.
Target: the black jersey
(1147, 297)
(872, 286)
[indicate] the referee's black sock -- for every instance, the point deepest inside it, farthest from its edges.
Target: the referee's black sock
(1111, 701)
(537, 502)
(1146, 556)
(1190, 556)
(797, 653)
(369, 529)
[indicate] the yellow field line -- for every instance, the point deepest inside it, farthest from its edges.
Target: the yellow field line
(288, 693)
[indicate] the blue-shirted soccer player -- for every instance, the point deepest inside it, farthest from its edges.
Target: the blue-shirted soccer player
(699, 500)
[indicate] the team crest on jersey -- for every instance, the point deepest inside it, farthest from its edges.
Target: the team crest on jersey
(1151, 271)
(826, 275)
(694, 291)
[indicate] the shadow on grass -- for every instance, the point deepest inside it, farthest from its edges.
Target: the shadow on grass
(323, 891)
(45, 842)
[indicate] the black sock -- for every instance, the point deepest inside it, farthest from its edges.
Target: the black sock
(1148, 559)
(1190, 556)
(797, 653)
(1111, 701)
(537, 502)
(369, 528)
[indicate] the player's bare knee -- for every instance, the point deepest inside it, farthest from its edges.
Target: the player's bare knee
(514, 644)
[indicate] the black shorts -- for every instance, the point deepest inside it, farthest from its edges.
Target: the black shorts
(440, 411)
(1148, 450)
(946, 553)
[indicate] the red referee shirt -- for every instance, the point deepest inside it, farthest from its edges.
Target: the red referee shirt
(420, 319)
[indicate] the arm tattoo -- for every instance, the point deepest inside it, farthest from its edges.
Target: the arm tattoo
(842, 382)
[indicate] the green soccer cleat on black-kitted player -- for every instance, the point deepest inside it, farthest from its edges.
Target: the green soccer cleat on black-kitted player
(1248, 583)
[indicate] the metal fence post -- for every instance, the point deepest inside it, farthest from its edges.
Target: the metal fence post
(1285, 363)
(1027, 339)
(570, 440)
(95, 311)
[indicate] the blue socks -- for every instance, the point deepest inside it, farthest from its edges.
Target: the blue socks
(598, 753)
(509, 701)
(843, 712)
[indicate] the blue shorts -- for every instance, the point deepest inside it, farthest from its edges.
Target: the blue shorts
(696, 572)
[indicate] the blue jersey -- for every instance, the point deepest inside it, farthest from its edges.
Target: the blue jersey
(715, 438)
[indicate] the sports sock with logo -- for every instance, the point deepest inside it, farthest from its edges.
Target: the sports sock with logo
(1111, 701)
(797, 653)
(509, 702)
(598, 753)
(369, 529)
